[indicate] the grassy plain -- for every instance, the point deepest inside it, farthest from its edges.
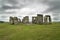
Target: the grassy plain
(29, 32)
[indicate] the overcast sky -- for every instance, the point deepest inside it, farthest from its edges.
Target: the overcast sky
(21, 8)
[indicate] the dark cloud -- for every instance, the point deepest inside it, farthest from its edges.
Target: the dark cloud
(3, 17)
(8, 7)
(54, 6)
(56, 18)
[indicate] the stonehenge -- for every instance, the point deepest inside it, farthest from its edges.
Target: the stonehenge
(11, 20)
(34, 20)
(25, 20)
(14, 20)
(47, 19)
(39, 19)
(19, 20)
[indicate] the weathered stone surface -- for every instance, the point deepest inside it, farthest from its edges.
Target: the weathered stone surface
(47, 19)
(39, 19)
(25, 20)
(15, 20)
(22, 20)
(19, 20)
(34, 20)
(11, 20)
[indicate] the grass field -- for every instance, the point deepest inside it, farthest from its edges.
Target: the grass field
(29, 32)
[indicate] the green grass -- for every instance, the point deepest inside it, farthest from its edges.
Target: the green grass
(29, 32)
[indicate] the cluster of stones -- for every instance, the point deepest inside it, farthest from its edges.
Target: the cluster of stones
(39, 19)
(47, 19)
(25, 20)
(14, 20)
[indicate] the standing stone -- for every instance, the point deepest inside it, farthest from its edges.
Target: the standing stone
(34, 20)
(15, 20)
(50, 21)
(25, 20)
(39, 19)
(47, 19)
(19, 20)
(11, 20)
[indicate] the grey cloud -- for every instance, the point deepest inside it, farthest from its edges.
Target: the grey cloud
(20, 3)
(54, 6)
(8, 7)
(3, 16)
(56, 18)
(15, 4)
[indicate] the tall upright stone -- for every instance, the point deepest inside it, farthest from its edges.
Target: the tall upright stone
(15, 20)
(47, 19)
(25, 20)
(19, 20)
(34, 20)
(39, 19)
(11, 20)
